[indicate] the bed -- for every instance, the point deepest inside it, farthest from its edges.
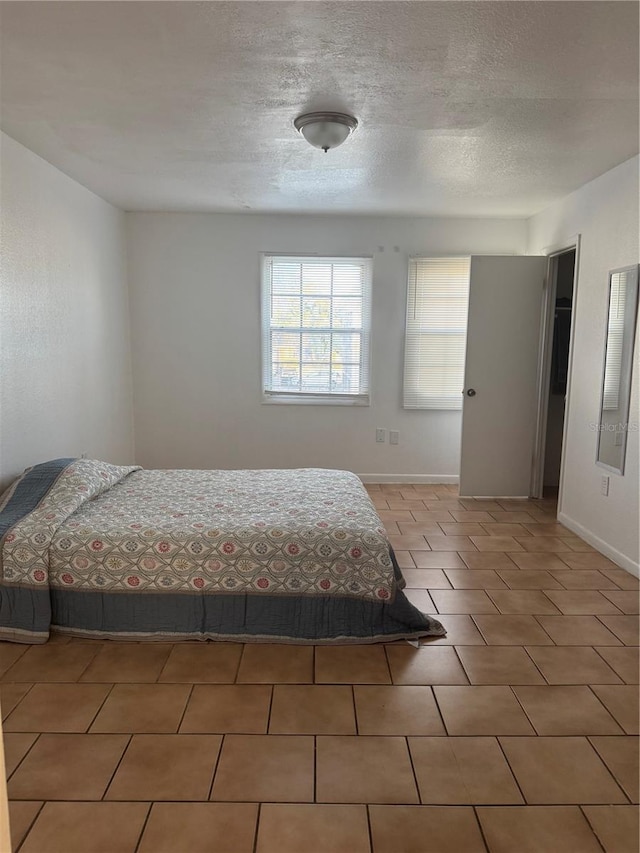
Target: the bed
(120, 552)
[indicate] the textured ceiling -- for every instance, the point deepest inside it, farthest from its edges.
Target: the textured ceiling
(465, 108)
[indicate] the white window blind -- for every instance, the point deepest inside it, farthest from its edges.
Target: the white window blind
(615, 338)
(315, 329)
(436, 332)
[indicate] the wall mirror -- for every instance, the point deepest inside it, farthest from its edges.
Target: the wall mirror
(613, 424)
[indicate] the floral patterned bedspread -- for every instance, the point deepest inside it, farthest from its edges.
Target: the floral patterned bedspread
(296, 532)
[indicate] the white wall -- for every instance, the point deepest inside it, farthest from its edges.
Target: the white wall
(605, 214)
(64, 324)
(196, 342)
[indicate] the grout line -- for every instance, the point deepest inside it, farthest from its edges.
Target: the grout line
(184, 710)
(480, 827)
(271, 698)
(592, 828)
(116, 768)
(413, 769)
(515, 778)
(37, 738)
(255, 834)
(315, 769)
(223, 740)
(144, 826)
(102, 704)
(31, 825)
(367, 808)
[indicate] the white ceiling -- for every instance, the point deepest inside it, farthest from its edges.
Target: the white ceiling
(466, 108)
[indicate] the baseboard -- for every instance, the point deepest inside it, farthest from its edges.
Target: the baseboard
(409, 478)
(600, 545)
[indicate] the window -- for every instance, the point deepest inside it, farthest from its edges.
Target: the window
(436, 331)
(315, 329)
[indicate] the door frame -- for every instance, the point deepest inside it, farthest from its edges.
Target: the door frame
(544, 365)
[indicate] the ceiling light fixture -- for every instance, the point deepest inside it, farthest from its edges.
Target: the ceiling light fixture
(325, 130)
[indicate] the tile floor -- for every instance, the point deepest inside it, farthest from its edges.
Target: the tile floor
(517, 733)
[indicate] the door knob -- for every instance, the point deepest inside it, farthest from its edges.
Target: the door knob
(471, 392)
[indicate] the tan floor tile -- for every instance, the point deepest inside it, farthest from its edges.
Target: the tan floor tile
(16, 746)
(67, 767)
(22, 814)
(462, 770)
(269, 663)
(450, 543)
(227, 709)
(420, 528)
(537, 829)
(207, 662)
(404, 559)
(616, 827)
(577, 631)
(426, 579)
(497, 543)
(406, 504)
(572, 710)
(437, 560)
(200, 828)
(589, 560)
(128, 662)
(271, 768)
(58, 708)
(424, 665)
(449, 504)
(537, 544)
(529, 579)
(572, 665)
(166, 767)
(351, 665)
(622, 757)
(151, 708)
(9, 654)
(409, 542)
(511, 529)
(622, 579)
(624, 660)
(317, 828)
(87, 828)
(583, 579)
(544, 562)
(626, 628)
(425, 829)
(478, 579)
(485, 504)
(420, 598)
(625, 600)
(514, 630)
(462, 601)
(432, 516)
(11, 695)
(498, 665)
(397, 710)
(551, 529)
(526, 601)
(364, 770)
(481, 711)
(461, 528)
(492, 560)
(622, 702)
(577, 544)
(461, 631)
(52, 663)
(515, 517)
(578, 602)
(560, 770)
(312, 709)
(470, 515)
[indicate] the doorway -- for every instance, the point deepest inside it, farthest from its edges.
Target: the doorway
(554, 373)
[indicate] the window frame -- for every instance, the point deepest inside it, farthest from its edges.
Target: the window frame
(306, 398)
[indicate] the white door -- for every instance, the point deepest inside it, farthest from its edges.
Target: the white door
(501, 367)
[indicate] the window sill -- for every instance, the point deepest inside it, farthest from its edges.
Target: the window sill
(328, 400)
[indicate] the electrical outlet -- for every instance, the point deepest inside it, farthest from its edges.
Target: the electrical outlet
(394, 436)
(604, 485)
(381, 435)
